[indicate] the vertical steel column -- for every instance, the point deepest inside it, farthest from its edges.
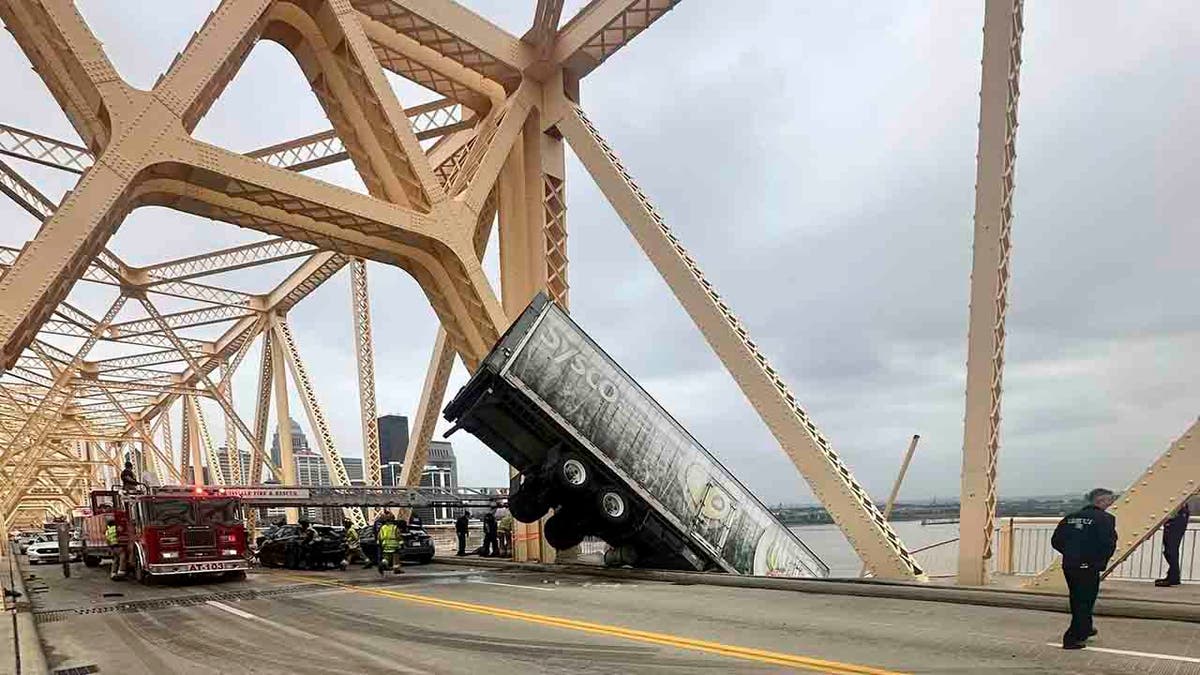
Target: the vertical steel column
(365, 351)
(191, 428)
(231, 445)
(989, 284)
(283, 424)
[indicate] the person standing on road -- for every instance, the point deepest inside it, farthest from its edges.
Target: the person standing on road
(353, 545)
(461, 524)
(389, 544)
(491, 547)
(1086, 539)
(1173, 531)
(112, 538)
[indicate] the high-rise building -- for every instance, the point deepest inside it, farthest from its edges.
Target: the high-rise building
(354, 470)
(223, 462)
(393, 439)
(299, 443)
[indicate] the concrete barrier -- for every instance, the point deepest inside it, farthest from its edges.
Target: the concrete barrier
(1106, 605)
(27, 655)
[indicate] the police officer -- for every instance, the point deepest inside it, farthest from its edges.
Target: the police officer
(461, 524)
(1173, 531)
(491, 546)
(1086, 539)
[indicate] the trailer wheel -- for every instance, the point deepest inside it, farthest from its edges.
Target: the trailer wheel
(613, 507)
(573, 473)
(527, 504)
(563, 531)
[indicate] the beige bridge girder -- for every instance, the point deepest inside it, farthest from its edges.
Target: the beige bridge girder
(496, 152)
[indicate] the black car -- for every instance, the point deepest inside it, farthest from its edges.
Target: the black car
(281, 547)
(415, 545)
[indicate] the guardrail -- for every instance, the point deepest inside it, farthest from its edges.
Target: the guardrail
(1023, 549)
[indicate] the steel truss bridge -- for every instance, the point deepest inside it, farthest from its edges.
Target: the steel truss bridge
(440, 176)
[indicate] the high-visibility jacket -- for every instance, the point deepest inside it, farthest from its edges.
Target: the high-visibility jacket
(389, 537)
(110, 535)
(351, 537)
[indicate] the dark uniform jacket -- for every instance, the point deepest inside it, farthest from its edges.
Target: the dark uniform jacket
(1086, 538)
(461, 524)
(489, 524)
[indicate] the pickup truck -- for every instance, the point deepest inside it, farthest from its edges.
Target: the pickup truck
(593, 446)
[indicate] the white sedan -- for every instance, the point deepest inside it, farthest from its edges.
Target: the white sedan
(47, 552)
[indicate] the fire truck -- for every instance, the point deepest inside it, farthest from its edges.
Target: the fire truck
(169, 531)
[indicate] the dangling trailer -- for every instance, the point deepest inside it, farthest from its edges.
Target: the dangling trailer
(592, 445)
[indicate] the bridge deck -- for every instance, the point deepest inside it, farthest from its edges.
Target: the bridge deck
(470, 619)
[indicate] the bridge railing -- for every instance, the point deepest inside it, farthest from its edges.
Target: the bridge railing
(1023, 549)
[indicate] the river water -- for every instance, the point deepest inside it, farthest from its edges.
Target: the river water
(829, 545)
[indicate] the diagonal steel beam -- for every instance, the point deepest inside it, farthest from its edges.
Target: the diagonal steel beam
(847, 501)
(603, 27)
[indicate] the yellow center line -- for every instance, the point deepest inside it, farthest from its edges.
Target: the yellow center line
(732, 651)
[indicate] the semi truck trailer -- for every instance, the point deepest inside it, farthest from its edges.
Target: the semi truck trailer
(593, 447)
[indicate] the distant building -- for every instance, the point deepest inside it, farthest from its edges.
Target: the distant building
(299, 443)
(393, 440)
(354, 470)
(223, 462)
(440, 470)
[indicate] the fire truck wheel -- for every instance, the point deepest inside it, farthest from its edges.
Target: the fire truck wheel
(236, 575)
(91, 561)
(528, 504)
(563, 531)
(139, 571)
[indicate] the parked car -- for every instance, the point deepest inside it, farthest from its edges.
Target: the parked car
(27, 539)
(47, 551)
(415, 545)
(280, 547)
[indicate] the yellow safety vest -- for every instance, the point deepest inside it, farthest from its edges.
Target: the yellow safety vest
(351, 537)
(389, 537)
(110, 535)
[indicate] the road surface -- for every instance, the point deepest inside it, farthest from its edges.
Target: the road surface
(454, 619)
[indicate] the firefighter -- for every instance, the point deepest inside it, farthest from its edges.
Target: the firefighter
(115, 549)
(389, 544)
(460, 528)
(1086, 539)
(129, 481)
(353, 546)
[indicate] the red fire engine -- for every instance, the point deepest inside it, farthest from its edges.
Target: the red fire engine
(169, 531)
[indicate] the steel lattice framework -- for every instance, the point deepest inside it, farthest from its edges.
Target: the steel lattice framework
(494, 153)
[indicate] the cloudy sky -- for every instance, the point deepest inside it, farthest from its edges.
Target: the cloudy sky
(818, 160)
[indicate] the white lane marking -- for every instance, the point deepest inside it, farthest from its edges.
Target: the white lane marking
(494, 583)
(233, 610)
(1126, 652)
